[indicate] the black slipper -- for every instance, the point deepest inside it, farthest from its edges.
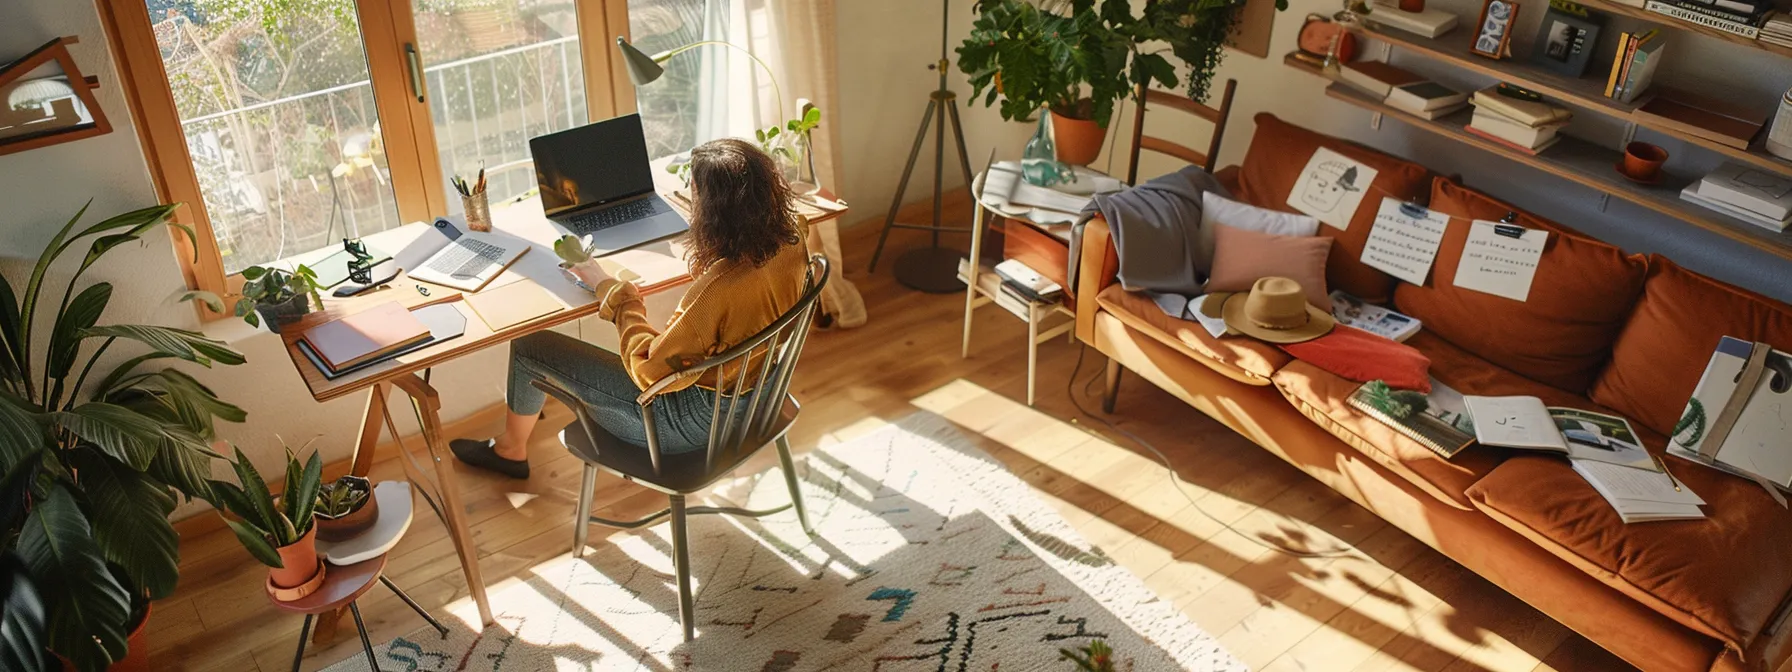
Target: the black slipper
(481, 454)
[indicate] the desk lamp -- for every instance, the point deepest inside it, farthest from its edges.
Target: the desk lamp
(643, 69)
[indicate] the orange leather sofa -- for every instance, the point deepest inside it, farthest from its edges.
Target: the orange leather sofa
(1602, 330)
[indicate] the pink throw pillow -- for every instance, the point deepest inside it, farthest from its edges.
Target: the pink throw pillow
(1241, 257)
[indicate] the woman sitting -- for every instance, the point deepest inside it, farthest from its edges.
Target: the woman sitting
(747, 255)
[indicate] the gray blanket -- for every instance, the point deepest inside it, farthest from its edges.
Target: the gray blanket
(1156, 228)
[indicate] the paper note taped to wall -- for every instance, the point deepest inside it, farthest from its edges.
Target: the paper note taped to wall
(1404, 241)
(1501, 259)
(1331, 187)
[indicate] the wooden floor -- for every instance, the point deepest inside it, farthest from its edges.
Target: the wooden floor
(1385, 602)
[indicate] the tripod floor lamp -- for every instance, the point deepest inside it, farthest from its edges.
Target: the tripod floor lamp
(932, 269)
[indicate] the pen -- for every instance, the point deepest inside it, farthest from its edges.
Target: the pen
(1664, 469)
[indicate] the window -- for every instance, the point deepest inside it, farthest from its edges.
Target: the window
(286, 125)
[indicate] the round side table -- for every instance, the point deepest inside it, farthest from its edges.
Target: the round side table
(344, 585)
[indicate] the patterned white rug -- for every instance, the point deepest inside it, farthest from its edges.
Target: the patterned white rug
(932, 557)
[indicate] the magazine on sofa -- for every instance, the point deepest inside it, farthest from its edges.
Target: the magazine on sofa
(1354, 312)
(1525, 423)
(1438, 420)
(1755, 445)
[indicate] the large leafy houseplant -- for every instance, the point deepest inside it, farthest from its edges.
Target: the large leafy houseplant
(1041, 53)
(91, 462)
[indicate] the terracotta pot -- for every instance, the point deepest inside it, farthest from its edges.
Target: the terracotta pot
(1078, 140)
(353, 523)
(300, 560)
(136, 657)
(1642, 161)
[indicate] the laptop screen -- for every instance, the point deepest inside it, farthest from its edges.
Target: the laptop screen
(591, 165)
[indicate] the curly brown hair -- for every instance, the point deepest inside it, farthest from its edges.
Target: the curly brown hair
(741, 208)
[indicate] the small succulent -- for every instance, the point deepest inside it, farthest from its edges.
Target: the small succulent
(340, 497)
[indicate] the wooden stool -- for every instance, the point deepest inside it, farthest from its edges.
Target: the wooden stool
(343, 586)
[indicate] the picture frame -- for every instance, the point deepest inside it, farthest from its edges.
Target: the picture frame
(1493, 32)
(1566, 39)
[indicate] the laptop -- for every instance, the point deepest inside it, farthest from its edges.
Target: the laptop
(452, 255)
(595, 181)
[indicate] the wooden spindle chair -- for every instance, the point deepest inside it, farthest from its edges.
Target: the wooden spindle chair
(735, 435)
(1217, 116)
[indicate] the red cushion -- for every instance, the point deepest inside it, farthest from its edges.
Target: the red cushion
(1354, 354)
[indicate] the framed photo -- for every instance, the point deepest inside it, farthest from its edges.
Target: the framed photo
(1565, 41)
(1493, 37)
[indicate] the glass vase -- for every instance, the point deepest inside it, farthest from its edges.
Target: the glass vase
(806, 182)
(1039, 164)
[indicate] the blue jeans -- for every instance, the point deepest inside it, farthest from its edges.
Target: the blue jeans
(596, 376)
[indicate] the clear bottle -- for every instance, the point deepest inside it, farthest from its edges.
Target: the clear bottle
(1039, 164)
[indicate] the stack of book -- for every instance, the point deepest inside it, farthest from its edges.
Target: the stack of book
(1755, 196)
(1778, 29)
(1376, 78)
(368, 336)
(1633, 65)
(1430, 22)
(1429, 100)
(1740, 17)
(1529, 126)
(1012, 296)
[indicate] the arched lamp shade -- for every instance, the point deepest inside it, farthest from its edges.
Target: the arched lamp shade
(642, 68)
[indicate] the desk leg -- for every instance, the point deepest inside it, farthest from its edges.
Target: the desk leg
(428, 406)
(370, 430)
(970, 288)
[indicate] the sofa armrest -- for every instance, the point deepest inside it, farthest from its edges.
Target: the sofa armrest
(1098, 265)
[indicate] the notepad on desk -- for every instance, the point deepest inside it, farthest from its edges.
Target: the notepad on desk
(513, 304)
(365, 336)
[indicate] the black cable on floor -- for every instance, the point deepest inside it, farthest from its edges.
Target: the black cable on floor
(1175, 479)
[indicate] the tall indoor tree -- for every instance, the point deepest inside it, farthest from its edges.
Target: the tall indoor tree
(91, 463)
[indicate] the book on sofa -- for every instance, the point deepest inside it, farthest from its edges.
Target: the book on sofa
(1354, 312)
(1437, 420)
(1523, 422)
(1754, 444)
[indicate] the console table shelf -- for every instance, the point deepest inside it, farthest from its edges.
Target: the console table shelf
(1577, 161)
(1586, 92)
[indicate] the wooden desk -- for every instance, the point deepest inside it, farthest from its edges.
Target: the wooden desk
(661, 267)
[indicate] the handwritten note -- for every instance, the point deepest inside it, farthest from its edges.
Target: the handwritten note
(1496, 262)
(1404, 241)
(1331, 187)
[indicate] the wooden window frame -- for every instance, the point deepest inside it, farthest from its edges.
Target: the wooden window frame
(408, 132)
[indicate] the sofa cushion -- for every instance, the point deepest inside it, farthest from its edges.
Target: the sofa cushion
(1562, 336)
(1725, 576)
(1662, 350)
(1243, 359)
(1324, 397)
(1242, 257)
(1280, 150)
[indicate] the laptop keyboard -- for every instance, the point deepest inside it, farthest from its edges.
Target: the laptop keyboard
(466, 258)
(599, 220)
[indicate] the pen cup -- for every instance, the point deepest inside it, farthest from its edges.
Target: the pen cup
(478, 211)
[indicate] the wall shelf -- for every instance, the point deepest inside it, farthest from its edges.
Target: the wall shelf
(1586, 92)
(1583, 163)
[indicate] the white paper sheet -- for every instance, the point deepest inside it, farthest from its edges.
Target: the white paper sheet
(1514, 422)
(1636, 484)
(1331, 187)
(1404, 245)
(1498, 264)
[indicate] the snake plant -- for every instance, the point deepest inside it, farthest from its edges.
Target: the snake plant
(91, 462)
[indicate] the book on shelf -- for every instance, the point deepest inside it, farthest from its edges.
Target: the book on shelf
(1527, 112)
(1639, 71)
(1665, 8)
(1628, 44)
(1751, 16)
(1030, 283)
(1762, 192)
(1722, 122)
(1376, 78)
(1529, 151)
(1351, 311)
(1747, 7)
(1489, 124)
(365, 336)
(1007, 298)
(1691, 195)
(1429, 22)
(1440, 423)
(1641, 496)
(1525, 423)
(1419, 97)
(1439, 113)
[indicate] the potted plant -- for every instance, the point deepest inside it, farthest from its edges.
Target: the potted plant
(92, 463)
(1042, 55)
(346, 507)
(278, 296)
(279, 531)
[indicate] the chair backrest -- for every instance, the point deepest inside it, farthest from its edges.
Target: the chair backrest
(1148, 97)
(776, 348)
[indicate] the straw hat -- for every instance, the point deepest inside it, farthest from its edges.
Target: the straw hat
(1275, 310)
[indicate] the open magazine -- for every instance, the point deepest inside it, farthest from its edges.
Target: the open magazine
(1525, 423)
(1354, 312)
